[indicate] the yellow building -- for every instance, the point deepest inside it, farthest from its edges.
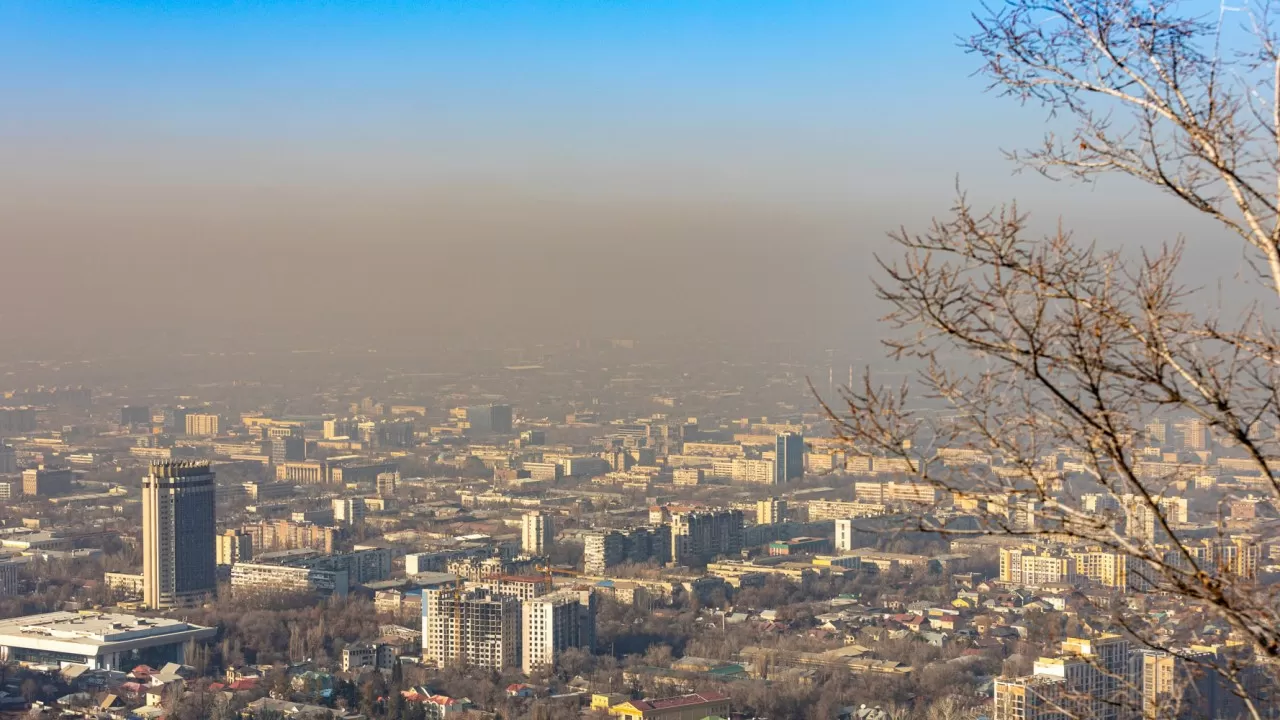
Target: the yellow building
(694, 706)
(1108, 569)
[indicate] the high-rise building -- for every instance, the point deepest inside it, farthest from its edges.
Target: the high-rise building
(174, 420)
(602, 549)
(788, 461)
(699, 536)
(340, 428)
(537, 533)
(203, 424)
(469, 628)
(179, 553)
(17, 420)
(1195, 434)
(385, 484)
(135, 415)
(483, 419)
(46, 483)
(234, 546)
(349, 511)
(771, 511)
(1184, 686)
(288, 448)
(845, 534)
(553, 623)
(1106, 567)
(1089, 679)
(1026, 566)
(8, 460)
(1158, 432)
(282, 534)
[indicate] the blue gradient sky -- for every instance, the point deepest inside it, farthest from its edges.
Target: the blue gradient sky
(801, 97)
(575, 143)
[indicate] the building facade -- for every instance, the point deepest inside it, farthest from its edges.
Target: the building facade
(469, 628)
(537, 532)
(553, 623)
(788, 459)
(179, 553)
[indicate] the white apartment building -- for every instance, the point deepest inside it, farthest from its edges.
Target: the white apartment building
(554, 623)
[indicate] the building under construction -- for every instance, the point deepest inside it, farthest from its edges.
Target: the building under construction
(475, 628)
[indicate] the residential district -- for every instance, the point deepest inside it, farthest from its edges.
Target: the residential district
(536, 543)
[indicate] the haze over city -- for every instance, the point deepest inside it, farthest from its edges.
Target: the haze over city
(654, 360)
(440, 172)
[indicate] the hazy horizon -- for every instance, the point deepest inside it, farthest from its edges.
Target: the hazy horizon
(243, 176)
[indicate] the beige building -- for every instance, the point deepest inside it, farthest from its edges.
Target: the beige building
(537, 533)
(203, 424)
(771, 511)
(1104, 567)
(687, 476)
(234, 546)
(841, 509)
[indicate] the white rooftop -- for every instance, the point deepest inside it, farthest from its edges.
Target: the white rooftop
(89, 628)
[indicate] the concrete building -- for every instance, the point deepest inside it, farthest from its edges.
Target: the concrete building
(108, 641)
(17, 420)
(521, 587)
(258, 492)
(841, 509)
(385, 484)
(179, 552)
(699, 536)
(553, 623)
(273, 535)
(483, 419)
(1090, 678)
(9, 575)
(288, 448)
(8, 460)
(273, 578)
(353, 471)
(537, 533)
(603, 549)
(349, 511)
(771, 511)
(46, 483)
(464, 628)
(747, 470)
(687, 476)
(234, 546)
(845, 531)
(307, 472)
(203, 424)
(135, 415)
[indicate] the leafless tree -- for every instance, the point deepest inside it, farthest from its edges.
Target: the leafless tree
(1048, 356)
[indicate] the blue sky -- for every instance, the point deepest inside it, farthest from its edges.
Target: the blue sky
(570, 153)
(510, 91)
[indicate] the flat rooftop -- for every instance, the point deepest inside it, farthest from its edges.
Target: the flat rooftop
(94, 629)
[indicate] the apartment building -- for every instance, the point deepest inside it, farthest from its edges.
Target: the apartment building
(469, 628)
(203, 424)
(537, 532)
(698, 537)
(273, 578)
(553, 623)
